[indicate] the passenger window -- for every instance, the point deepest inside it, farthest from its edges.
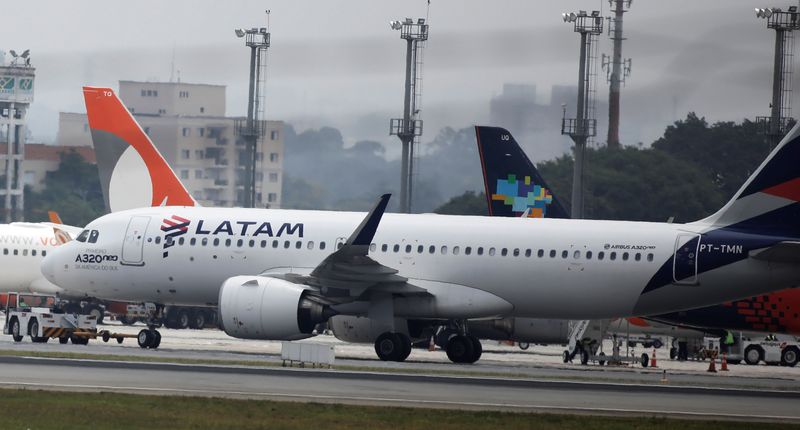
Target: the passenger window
(204, 242)
(480, 250)
(310, 244)
(24, 252)
(83, 236)
(396, 248)
(158, 240)
(564, 254)
(576, 254)
(298, 244)
(625, 256)
(193, 241)
(372, 247)
(33, 253)
(468, 250)
(540, 253)
(287, 244)
(263, 243)
(444, 250)
(588, 255)
(216, 241)
(552, 253)
(384, 247)
(516, 252)
(504, 252)
(612, 256)
(420, 249)
(408, 249)
(601, 255)
(491, 252)
(44, 253)
(16, 252)
(93, 235)
(456, 250)
(180, 241)
(274, 243)
(322, 245)
(638, 257)
(528, 252)
(227, 242)
(5, 251)
(431, 249)
(649, 257)
(252, 243)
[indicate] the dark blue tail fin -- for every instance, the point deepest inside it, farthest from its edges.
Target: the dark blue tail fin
(513, 185)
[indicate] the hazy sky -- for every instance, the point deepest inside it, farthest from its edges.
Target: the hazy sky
(338, 63)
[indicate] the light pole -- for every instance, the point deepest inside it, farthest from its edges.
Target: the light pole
(258, 40)
(408, 127)
(582, 127)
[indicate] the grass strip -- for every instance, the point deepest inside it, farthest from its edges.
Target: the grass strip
(36, 409)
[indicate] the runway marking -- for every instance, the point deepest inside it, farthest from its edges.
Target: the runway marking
(368, 400)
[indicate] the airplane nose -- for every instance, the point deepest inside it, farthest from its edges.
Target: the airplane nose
(48, 267)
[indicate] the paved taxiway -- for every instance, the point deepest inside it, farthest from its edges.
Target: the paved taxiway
(398, 389)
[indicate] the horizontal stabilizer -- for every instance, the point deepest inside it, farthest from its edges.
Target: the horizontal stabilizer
(783, 252)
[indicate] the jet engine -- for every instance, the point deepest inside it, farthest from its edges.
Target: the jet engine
(261, 307)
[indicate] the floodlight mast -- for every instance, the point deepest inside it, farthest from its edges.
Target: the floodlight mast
(581, 128)
(784, 23)
(409, 127)
(258, 40)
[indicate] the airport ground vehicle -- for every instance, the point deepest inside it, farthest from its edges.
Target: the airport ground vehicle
(38, 316)
(756, 348)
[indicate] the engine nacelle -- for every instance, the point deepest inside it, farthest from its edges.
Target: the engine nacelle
(261, 307)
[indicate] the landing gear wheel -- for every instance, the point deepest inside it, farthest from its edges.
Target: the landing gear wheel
(96, 312)
(753, 355)
(198, 320)
(789, 356)
(477, 349)
(388, 347)
(673, 353)
(145, 338)
(156, 340)
(405, 342)
(460, 349)
(15, 331)
(63, 340)
(565, 356)
(645, 360)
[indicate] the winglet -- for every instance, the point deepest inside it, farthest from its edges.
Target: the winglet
(363, 235)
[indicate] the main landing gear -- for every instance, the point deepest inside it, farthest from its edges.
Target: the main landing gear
(149, 338)
(464, 349)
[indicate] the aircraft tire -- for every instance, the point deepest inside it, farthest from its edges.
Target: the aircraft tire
(388, 347)
(145, 338)
(182, 319)
(405, 342)
(460, 349)
(477, 349)
(156, 340)
(198, 319)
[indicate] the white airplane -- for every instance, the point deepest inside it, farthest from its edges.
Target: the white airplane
(275, 274)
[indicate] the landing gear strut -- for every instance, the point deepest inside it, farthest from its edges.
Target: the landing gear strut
(393, 346)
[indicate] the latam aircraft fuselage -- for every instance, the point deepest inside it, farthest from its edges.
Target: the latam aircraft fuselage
(549, 268)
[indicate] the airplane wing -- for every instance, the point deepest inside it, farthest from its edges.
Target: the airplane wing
(783, 252)
(349, 271)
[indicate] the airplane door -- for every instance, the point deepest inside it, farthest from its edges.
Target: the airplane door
(133, 246)
(684, 269)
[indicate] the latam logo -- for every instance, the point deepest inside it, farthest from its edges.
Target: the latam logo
(173, 227)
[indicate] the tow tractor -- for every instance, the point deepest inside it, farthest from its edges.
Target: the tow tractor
(40, 317)
(754, 348)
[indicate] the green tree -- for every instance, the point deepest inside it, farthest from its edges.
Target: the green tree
(469, 203)
(73, 190)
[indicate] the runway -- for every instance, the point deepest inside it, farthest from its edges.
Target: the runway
(393, 389)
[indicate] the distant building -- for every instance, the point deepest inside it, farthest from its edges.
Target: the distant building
(187, 123)
(41, 158)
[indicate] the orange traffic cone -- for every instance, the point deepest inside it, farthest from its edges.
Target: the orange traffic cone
(724, 366)
(712, 366)
(653, 362)
(432, 345)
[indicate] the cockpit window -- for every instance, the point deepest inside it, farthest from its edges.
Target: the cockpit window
(93, 235)
(82, 237)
